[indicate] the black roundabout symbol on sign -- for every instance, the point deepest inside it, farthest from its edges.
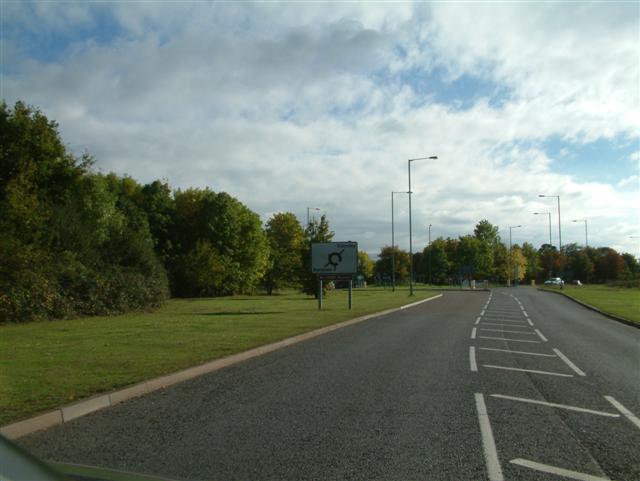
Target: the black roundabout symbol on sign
(335, 258)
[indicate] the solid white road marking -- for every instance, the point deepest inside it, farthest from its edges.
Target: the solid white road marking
(529, 321)
(513, 332)
(628, 414)
(578, 371)
(545, 468)
(473, 333)
(554, 405)
(472, 359)
(516, 352)
(527, 370)
(478, 320)
(541, 335)
(507, 339)
(488, 442)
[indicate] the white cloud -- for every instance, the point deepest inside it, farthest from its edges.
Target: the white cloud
(282, 107)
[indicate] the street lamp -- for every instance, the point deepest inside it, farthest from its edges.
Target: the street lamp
(429, 254)
(433, 157)
(510, 250)
(586, 238)
(549, 214)
(308, 209)
(393, 245)
(559, 228)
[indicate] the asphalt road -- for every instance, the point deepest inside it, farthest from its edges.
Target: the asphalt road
(473, 386)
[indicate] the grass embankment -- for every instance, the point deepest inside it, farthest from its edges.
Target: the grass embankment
(47, 364)
(620, 301)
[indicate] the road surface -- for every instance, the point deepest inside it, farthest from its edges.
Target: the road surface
(515, 384)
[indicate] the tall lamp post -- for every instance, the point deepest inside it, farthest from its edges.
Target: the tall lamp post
(432, 157)
(429, 254)
(549, 214)
(393, 245)
(586, 237)
(510, 250)
(308, 209)
(559, 228)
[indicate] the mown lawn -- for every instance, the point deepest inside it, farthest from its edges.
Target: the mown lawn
(620, 301)
(47, 364)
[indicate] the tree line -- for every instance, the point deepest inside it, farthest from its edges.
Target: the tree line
(482, 255)
(80, 242)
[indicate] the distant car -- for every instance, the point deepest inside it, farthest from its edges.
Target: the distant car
(554, 281)
(577, 282)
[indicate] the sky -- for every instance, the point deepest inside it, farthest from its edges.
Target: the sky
(320, 104)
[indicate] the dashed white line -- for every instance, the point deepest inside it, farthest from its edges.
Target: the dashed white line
(488, 442)
(517, 352)
(628, 414)
(541, 335)
(478, 320)
(482, 313)
(529, 321)
(525, 313)
(512, 332)
(577, 370)
(473, 333)
(507, 339)
(472, 359)
(555, 405)
(545, 468)
(492, 366)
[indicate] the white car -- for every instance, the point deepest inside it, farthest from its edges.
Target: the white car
(554, 281)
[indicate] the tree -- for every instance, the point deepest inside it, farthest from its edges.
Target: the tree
(285, 237)
(435, 257)
(315, 232)
(365, 266)
(609, 266)
(533, 268)
(518, 263)
(487, 233)
(474, 258)
(581, 266)
(230, 228)
(387, 258)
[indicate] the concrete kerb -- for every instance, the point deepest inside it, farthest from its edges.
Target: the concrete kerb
(599, 311)
(81, 408)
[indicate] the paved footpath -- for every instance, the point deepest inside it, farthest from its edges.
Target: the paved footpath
(515, 384)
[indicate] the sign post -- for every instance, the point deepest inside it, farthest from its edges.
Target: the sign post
(334, 261)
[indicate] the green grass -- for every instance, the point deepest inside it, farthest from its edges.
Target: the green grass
(44, 365)
(620, 301)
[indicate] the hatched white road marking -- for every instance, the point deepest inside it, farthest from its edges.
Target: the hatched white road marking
(577, 370)
(488, 442)
(504, 325)
(555, 405)
(517, 352)
(527, 370)
(512, 332)
(628, 414)
(545, 468)
(507, 339)
(541, 335)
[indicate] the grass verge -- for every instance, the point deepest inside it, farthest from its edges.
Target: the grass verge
(48, 364)
(619, 301)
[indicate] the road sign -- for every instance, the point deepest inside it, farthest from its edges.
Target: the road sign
(334, 258)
